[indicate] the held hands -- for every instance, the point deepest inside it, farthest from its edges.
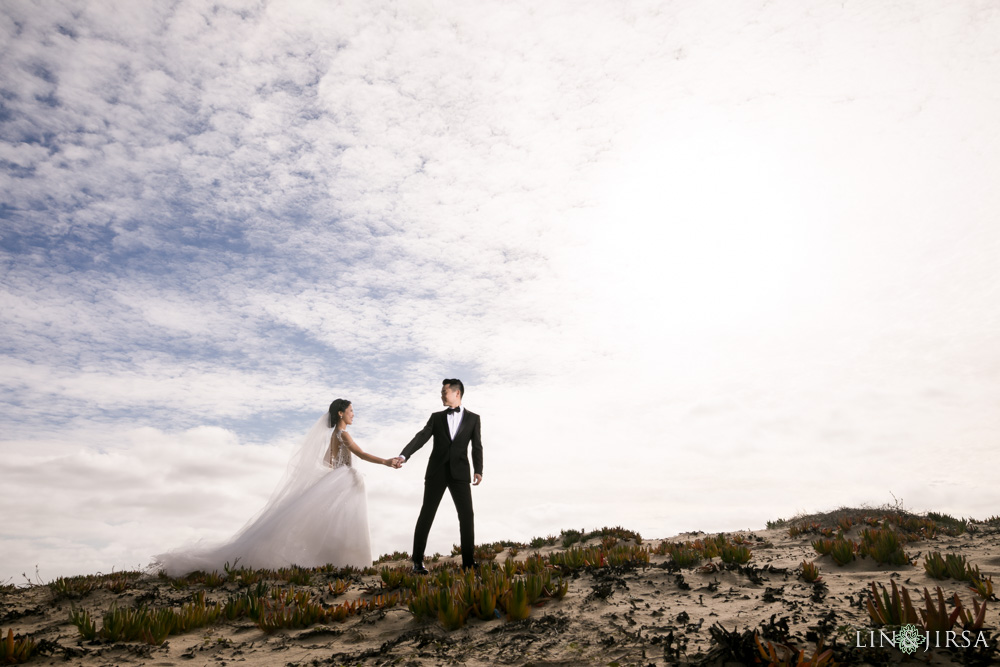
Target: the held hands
(398, 462)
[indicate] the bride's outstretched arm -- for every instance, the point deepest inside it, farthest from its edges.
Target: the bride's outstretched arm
(362, 454)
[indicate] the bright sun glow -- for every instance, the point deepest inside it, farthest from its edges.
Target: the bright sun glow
(708, 224)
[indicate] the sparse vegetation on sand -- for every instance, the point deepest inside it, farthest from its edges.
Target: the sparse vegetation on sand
(897, 610)
(582, 597)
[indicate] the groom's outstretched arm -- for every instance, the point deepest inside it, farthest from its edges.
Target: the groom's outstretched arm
(422, 436)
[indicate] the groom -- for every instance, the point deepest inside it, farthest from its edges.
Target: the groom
(448, 468)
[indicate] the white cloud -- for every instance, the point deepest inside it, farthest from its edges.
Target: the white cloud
(128, 488)
(662, 243)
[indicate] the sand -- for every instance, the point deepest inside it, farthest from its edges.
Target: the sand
(649, 615)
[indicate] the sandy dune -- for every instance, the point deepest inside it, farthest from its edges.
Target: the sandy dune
(655, 613)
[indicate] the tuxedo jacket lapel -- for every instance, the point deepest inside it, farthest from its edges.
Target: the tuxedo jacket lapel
(444, 427)
(463, 427)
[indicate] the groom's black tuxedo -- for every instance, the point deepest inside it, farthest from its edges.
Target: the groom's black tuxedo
(448, 454)
(448, 468)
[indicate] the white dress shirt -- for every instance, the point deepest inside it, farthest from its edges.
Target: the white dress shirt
(454, 421)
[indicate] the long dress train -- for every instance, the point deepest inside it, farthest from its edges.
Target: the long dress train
(324, 521)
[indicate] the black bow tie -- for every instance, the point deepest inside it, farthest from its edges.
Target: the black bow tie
(451, 410)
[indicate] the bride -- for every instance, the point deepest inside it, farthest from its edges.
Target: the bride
(317, 515)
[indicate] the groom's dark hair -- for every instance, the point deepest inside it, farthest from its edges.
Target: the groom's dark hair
(456, 384)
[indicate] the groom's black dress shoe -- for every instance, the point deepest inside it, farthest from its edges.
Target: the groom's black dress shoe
(418, 568)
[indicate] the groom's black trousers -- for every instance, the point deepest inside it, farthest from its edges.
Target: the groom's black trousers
(461, 493)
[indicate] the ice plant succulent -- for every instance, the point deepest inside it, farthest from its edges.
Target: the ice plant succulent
(16, 650)
(339, 587)
(783, 654)
(983, 587)
(935, 617)
(935, 565)
(735, 554)
(894, 610)
(452, 608)
(883, 545)
(84, 623)
(843, 551)
(823, 546)
(515, 601)
(810, 572)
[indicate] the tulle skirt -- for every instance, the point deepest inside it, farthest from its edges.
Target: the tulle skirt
(327, 523)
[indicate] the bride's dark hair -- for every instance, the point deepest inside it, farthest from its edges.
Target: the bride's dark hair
(336, 408)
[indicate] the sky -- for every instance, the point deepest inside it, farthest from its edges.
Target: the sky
(699, 265)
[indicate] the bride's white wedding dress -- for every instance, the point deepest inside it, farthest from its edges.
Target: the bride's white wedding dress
(317, 515)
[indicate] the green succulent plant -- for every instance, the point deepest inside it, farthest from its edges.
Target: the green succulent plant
(84, 623)
(983, 587)
(823, 546)
(16, 650)
(735, 554)
(452, 609)
(515, 601)
(810, 572)
(936, 617)
(935, 565)
(895, 610)
(484, 604)
(843, 551)
(883, 546)
(685, 557)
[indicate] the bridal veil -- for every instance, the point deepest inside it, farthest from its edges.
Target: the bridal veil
(314, 516)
